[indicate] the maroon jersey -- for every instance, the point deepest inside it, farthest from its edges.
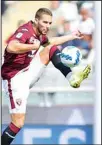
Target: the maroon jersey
(13, 63)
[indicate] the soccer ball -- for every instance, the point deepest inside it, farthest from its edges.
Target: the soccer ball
(71, 56)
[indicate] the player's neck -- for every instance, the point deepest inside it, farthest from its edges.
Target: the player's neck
(35, 30)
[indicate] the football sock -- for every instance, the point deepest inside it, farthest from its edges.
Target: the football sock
(56, 61)
(9, 134)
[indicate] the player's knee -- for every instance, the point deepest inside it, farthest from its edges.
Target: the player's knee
(18, 120)
(20, 124)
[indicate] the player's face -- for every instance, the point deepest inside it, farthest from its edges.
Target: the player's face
(44, 24)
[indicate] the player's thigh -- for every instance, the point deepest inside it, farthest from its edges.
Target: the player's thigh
(38, 64)
(44, 55)
(17, 90)
(36, 69)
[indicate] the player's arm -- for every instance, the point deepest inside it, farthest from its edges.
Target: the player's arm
(63, 39)
(17, 47)
(17, 43)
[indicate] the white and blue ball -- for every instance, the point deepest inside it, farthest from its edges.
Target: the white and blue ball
(71, 56)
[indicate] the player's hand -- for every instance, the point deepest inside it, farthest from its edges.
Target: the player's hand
(36, 43)
(43, 39)
(77, 34)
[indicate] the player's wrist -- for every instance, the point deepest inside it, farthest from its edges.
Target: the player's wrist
(71, 36)
(36, 45)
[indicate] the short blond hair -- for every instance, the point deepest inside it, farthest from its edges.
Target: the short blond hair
(42, 11)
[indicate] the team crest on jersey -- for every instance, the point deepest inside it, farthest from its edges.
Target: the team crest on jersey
(33, 40)
(18, 101)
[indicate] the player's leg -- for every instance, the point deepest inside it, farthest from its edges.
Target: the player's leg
(74, 78)
(48, 53)
(41, 60)
(55, 59)
(38, 64)
(44, 55)
(17, 122)
(18, 91)
(79, 75)
(51, 53)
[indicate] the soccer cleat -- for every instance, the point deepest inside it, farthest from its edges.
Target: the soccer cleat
(78, 77)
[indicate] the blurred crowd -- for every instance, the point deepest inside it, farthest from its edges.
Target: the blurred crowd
(67, 17)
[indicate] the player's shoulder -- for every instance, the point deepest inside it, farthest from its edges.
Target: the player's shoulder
(24, 28)
(27, 28)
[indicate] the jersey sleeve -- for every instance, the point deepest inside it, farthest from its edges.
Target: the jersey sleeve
(20, 35)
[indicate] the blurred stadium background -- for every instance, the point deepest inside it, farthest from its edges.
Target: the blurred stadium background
(56, 113)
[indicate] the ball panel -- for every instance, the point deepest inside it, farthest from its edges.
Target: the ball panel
(71, 56)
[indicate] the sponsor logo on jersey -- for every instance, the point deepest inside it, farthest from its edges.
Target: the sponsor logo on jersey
(32, 53)
(24, 29)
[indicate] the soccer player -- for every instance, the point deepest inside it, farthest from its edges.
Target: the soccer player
(26, 56)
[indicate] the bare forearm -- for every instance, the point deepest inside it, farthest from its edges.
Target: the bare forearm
(61, 39)
(18, 48)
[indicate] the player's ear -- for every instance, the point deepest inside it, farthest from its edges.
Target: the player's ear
(36, 20)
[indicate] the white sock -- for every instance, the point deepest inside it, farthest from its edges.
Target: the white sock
(69, 76)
